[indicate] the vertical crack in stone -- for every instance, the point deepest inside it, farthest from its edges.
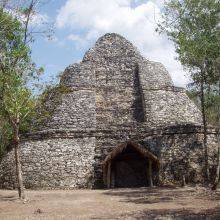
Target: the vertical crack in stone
(138, 104)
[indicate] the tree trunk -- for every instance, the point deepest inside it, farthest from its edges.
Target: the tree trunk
(18, 163)
(215, 185)
(202, 98)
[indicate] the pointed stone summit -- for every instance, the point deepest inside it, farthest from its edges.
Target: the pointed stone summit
(115, 118)
(113, 52)
(115, 86)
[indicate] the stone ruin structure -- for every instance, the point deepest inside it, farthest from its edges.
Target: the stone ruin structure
(120, 123)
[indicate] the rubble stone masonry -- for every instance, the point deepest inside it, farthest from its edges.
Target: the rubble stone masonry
(114, 95)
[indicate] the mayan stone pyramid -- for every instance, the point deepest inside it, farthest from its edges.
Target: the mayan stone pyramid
(114, 86)
(120, 123)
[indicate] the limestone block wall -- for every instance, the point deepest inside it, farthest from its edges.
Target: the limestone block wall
(118, 97)
(164, 104)
(111, 48)
(179, 148)
(117, 107)
(170, 106)
(153, 75)
(182, 154)
(75, 111)
(114, 86)
(76, 162)
(52, 163)
(79, 75)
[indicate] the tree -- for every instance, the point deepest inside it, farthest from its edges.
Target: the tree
(193, 26)
(16, 102)
(28, 12)
(18, 27)
(216, 181)
(16, 70)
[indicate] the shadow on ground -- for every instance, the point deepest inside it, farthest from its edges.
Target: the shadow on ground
(179, 214)
(176, 197)
(160, 194)
(8, 198)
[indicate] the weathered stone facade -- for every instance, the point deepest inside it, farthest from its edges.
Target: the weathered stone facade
(114, 96)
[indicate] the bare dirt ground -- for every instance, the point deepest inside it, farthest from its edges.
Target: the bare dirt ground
(140, 203)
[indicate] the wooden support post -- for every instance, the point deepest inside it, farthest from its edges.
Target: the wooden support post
(105, 174)
(150, 173)
(109, 175)
(112, 178)
(183, 180)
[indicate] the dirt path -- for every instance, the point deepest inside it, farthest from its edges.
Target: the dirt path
(141, 203)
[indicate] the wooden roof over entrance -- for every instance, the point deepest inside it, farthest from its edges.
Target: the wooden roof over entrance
(143, 151)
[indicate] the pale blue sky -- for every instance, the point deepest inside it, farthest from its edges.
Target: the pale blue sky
(78, 24)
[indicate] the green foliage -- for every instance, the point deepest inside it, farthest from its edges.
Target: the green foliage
(14, 54)
(18, 74)
(193, 26)
(212, 103)
(16, 101)
(16, 70)
(5, 135)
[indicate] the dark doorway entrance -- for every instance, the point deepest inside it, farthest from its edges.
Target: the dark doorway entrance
(129, 165)
(129, 169)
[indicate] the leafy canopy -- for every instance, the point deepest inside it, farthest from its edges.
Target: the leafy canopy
(16, 101)
(14, 54)
(193, 26)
